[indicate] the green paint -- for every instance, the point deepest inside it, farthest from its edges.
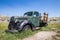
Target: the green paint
(32, 16)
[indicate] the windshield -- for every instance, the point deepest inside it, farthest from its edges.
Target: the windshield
(28, 14)
(31, 13)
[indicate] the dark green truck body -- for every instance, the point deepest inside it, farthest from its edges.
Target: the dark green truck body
(32, 18)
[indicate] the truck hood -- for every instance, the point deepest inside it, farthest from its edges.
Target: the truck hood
(22, 18)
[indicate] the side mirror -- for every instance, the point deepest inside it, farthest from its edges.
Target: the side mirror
(34, 15)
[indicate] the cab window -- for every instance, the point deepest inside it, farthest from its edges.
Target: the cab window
(28, 14)
(36, 14)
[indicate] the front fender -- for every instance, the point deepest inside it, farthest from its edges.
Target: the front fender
(22, 24)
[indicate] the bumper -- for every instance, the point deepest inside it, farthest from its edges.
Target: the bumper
(11, 31)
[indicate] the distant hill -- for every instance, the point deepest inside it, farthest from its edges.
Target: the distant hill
(4, 17)
(55, 18)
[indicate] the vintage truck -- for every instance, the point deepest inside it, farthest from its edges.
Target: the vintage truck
(30, 20)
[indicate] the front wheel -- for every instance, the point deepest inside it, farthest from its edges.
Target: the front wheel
(26, 27)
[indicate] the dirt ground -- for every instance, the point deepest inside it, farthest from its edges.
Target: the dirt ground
(43, 35)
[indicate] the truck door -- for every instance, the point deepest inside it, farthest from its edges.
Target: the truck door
(35, 19)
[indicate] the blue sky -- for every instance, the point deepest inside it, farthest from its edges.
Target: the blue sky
(19, 7)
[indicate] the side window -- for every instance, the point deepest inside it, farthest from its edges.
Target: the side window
(28, 14)
(36, 14)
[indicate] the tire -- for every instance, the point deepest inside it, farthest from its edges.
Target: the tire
(46, 24)
(9, 26)
(26, 27)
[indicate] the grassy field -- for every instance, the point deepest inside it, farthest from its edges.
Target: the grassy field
(21, 35)
(13, 36)
(50, 26)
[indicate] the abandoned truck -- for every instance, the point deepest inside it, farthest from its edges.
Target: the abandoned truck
(30, 20)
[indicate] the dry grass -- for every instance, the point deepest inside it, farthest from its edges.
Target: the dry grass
(15, 36)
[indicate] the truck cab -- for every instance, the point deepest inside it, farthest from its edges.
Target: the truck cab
(35, 17)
